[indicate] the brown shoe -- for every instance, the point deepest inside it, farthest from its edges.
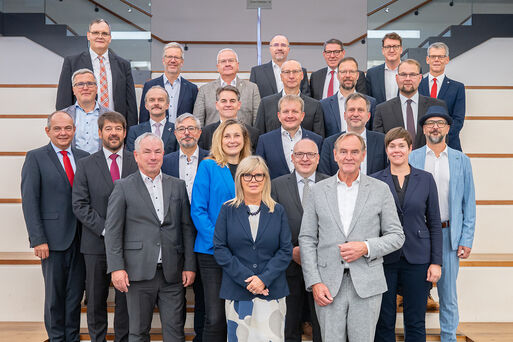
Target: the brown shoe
(307, 329)
(431, 304)
(399, 300)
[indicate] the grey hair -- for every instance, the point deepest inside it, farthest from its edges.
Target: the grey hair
(159, 88)
(50, 117)
(292, 98)
(355, 96)
(349, 134)
(172, 45)
(185, 116)
(99, 21)
(147, 135)
(226, 49)
(439, 45)
(82, 71)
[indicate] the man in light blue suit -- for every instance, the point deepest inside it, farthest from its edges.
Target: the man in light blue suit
(453, 176)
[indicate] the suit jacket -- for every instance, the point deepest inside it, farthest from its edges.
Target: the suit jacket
(205, 140)
(390, 115)
(134, 235)
(453, 94)
(71, 110)
(168, 136)
(375, 83)
(242, 257)
(376, 156)
(462, 198)
(267, 118)
(284, 190)
(263, 77)
(270, 147)
(171, 164)
(332, 118)
(420, 218)
(123, 91)
(205, 106)
(213, 186)
(90, 196)
(318, 78)
(46, 199)
(186, 98)
(374, 221)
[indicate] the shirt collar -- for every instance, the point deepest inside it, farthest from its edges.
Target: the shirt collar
(195, 155)
(58, 150)
(94, 55)
(364, 134)
(414, 98)
(148, 179)
(166, 80)
(356, 181)
(108, 153)
(431, 152)
(233, 82)
(394, 70)
(341, 97)
(162, 122)
(439, 79)
(299, 178)
(287, 134)
(96, 107)
(275, 66)
(283, 93)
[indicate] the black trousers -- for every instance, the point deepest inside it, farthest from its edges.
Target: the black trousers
(199, 308)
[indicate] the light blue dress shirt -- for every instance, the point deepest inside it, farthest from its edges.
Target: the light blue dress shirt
(173, 91)
(86, 135)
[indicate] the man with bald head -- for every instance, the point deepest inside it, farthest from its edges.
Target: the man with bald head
(267, 76)
(291, 76)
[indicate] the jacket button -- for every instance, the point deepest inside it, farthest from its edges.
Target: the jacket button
(254, 247)
(158, 243)
(254, 265)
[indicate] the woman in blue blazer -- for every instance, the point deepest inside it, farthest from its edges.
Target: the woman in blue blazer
(252, 244)
(212, 187)
(418, 263)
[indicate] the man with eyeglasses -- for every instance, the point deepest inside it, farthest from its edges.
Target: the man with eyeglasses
(452, 171)
(324, 82)
(437, 85)
(407, 109)
(267, 76)
(182, 93)
(228, 67)
(113, 74)
(291, 76)
(381, 82)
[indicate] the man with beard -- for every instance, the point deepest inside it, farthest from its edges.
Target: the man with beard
(453, 176)
(157, 103)
(93, 184)
(334, 106)
(407, 109)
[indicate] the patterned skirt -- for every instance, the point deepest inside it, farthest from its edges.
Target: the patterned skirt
(256, 320)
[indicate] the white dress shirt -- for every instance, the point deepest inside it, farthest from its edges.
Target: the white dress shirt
(277, 76)
(414, 107)
(363, 165)
(391, 86)
(187, 169)
(346, 198)
(61, 157)
(154, 187)
(288, 145)
(439, 82)
(439, 168)
(162, 124)
(301, 184)
(336, 85)
(96, 69)
(173, 90)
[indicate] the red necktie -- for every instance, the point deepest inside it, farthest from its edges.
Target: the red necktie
(104, 90)
(434, 89)
(67, 167)
(330, 86)
(114, 168)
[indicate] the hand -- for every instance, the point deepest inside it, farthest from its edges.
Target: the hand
(256, 286)
(188, 278)
(350, 251)
(463, 252)
(42, 251)
(321, 294)
(296, 256)
(434, 273)
(120, 280)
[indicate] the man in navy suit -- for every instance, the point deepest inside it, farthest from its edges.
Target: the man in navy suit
(46, 181)
(381, 82)
(357, 114)
(156, 102)
(333, 106)
(437, 85)
(277, 146)
(182, 93)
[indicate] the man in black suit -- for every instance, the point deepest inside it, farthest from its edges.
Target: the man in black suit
(324, 84)
(291, 76)
(356, 115)
(182, 93)
(409, 107)
(93, 184)
(46, 182)
(290, 191)
(114, 75)
(227, 104)
(267, 76)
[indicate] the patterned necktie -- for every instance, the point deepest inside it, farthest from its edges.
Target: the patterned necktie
(157, 128)
(104, 89)
(306, 190)
(114, 168)
(67, 167)
(434, 89)
(410, 123)
(330, 86)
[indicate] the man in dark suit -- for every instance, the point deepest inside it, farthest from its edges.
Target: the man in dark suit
(46, 181)
(267, 76)
(437, 85)
(324, 84)
(276, 147)
(92, 187)
(149, 238)
(289, 190)
(333, 106)
(182, 93)
(381, 79)
(409, 107)
(157, 102)
(228, 105)
(357, 114)
(113, 74)
(291, 77)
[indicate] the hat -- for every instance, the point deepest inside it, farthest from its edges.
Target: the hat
(436, 111)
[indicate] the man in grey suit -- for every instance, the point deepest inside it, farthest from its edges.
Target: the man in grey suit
(349, 223)
(149, 238)
(228, 67)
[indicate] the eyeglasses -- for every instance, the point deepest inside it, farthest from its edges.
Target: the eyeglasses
(432, 123)
(277, 45)
(333, 52)
(57, 129)
(437, 56)
(84, 84)
(226, 61)
(392, 47)
(293, 72)
(248, 177)
(100, 34)
(301, 155)
(347, 72)
(405, 75)
(176, 58)
(191, 129)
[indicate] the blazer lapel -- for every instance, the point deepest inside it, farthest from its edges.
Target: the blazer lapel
(444, 88)
(397, 110)
(101, 162)
(244, 221)
(58, 165)
(129, 164)
(336, 110)
(263, 222)
(361, 198)
(269, 73)
(413, 182)
(228, 180)
(294, 192)
(166, 192)
(115, 70)
(86, 60)
(332, 201)
(381, 75)
(454, 163)
(145, 195)
(279, 148)
(168, 127)
(390, 181)
(181, 95)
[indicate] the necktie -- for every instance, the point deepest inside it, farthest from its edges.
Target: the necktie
(330, 86)
(104, 90)
(410, 123)
(306, 190)
(67, 167)
(114, 168)
(157, 128)
(434, 89)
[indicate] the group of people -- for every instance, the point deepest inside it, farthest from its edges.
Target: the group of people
(279, 200)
